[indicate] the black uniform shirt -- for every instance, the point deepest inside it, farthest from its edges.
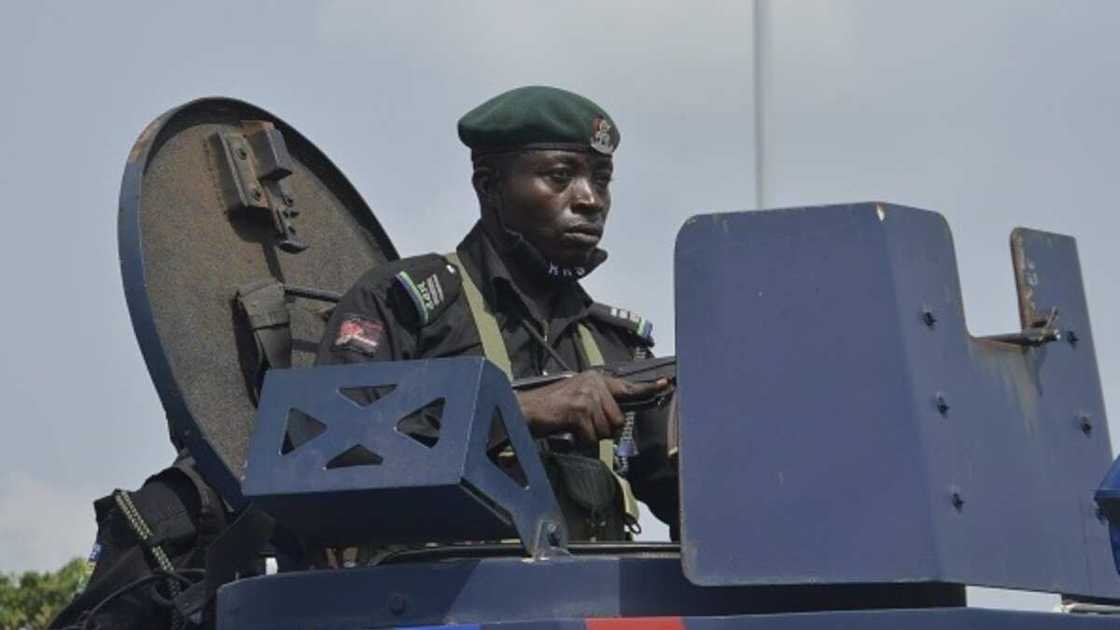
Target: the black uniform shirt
(414, 309)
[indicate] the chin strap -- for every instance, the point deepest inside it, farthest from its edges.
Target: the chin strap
(529, 257)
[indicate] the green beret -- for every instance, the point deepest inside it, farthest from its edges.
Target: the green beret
(538, 117)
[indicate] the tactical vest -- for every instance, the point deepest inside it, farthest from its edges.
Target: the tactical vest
(494, 348)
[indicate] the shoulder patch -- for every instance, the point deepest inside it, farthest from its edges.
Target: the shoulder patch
(429, 283)
(360, 334)
(630, 321)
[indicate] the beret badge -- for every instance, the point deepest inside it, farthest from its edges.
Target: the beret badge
(601, 139)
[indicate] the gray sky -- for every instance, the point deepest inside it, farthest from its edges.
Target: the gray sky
(996, 114)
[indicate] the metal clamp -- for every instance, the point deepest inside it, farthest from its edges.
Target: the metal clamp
(256, 165)
(1041, 331)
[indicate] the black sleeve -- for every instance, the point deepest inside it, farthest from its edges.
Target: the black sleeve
(181, 511)
(396, 312)
(365, 327)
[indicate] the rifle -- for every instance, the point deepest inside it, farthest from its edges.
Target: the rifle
(639, 371)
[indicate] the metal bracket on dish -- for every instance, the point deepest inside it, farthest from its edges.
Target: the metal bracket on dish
(256, 165)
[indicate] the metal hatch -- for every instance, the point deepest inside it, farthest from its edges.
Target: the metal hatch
(220, 199)
(873, 439)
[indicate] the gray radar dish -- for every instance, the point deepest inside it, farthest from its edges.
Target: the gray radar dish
(236, 237)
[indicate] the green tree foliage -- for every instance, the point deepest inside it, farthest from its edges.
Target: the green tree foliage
(31, 600)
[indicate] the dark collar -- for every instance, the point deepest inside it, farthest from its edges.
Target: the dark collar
(489, 270)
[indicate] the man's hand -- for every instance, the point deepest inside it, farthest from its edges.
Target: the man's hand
(585, 405)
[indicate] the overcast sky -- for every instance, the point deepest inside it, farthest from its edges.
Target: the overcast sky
(996, 114)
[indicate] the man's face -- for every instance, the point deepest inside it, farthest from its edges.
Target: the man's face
(558, 200)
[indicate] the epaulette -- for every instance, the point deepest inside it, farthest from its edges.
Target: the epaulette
(633, 323)
(428, 284)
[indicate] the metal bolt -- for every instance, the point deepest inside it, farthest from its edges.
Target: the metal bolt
(289, 200)
(397, 603)
(928, 317)
(256, 192)
(958, 501)
(942, 404)
(1072, 338)
(1085, 423)
(553, 533)
(242, 153)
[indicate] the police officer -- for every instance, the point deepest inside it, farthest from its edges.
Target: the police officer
(542, 170)
(543, 160)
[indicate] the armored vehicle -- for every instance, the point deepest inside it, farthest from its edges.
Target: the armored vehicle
(849, 455)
